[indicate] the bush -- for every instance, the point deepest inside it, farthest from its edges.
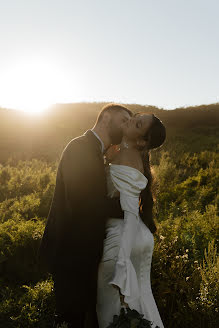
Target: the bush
(184, 271)
(28, 306)
(19, 242)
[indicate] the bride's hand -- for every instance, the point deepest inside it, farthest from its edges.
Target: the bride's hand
(122, 300)
(115, 286)
(121, 296)
(111, 153)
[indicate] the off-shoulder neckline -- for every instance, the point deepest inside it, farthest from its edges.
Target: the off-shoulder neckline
(111, 164)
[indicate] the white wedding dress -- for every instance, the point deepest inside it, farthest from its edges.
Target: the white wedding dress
(127, 253)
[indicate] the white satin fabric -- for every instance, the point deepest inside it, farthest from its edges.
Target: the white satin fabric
(127, 253)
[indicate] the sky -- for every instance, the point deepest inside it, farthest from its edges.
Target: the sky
(151, 52)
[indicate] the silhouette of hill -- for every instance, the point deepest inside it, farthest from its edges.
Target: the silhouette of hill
(25, 136)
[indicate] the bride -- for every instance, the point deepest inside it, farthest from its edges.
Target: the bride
(124, 270)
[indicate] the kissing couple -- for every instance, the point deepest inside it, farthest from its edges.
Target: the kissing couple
(98, 239)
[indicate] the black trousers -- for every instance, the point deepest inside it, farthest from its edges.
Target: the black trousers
(76, 295)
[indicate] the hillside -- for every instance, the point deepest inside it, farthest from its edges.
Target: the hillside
(43, 137)
(185, 264)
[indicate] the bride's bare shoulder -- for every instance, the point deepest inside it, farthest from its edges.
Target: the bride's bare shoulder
(129, 157)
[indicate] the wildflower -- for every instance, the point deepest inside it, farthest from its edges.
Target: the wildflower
(37, 235)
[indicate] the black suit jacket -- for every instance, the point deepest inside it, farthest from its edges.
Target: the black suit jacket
(75, 226)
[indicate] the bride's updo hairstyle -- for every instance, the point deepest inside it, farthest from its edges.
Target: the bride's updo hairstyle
(156, 136)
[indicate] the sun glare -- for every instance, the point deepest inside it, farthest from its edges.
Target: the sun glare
(31, 86)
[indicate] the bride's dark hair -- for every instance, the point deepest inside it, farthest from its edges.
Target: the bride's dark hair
(156, 136)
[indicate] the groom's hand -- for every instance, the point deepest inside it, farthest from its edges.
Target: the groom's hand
(114, 209)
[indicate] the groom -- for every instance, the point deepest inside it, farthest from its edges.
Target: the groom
(72, 244)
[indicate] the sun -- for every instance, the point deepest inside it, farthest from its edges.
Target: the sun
(31, 85)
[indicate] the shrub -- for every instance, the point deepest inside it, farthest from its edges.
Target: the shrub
(19, 242)
(28, 306)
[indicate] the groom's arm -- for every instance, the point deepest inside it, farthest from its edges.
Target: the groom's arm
(114, 209)
(83, 176)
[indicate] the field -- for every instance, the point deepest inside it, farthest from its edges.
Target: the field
(185, 266)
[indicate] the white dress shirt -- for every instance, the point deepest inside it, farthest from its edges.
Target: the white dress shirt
(102, 144)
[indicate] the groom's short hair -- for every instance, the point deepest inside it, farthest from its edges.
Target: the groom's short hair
(112, 108)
